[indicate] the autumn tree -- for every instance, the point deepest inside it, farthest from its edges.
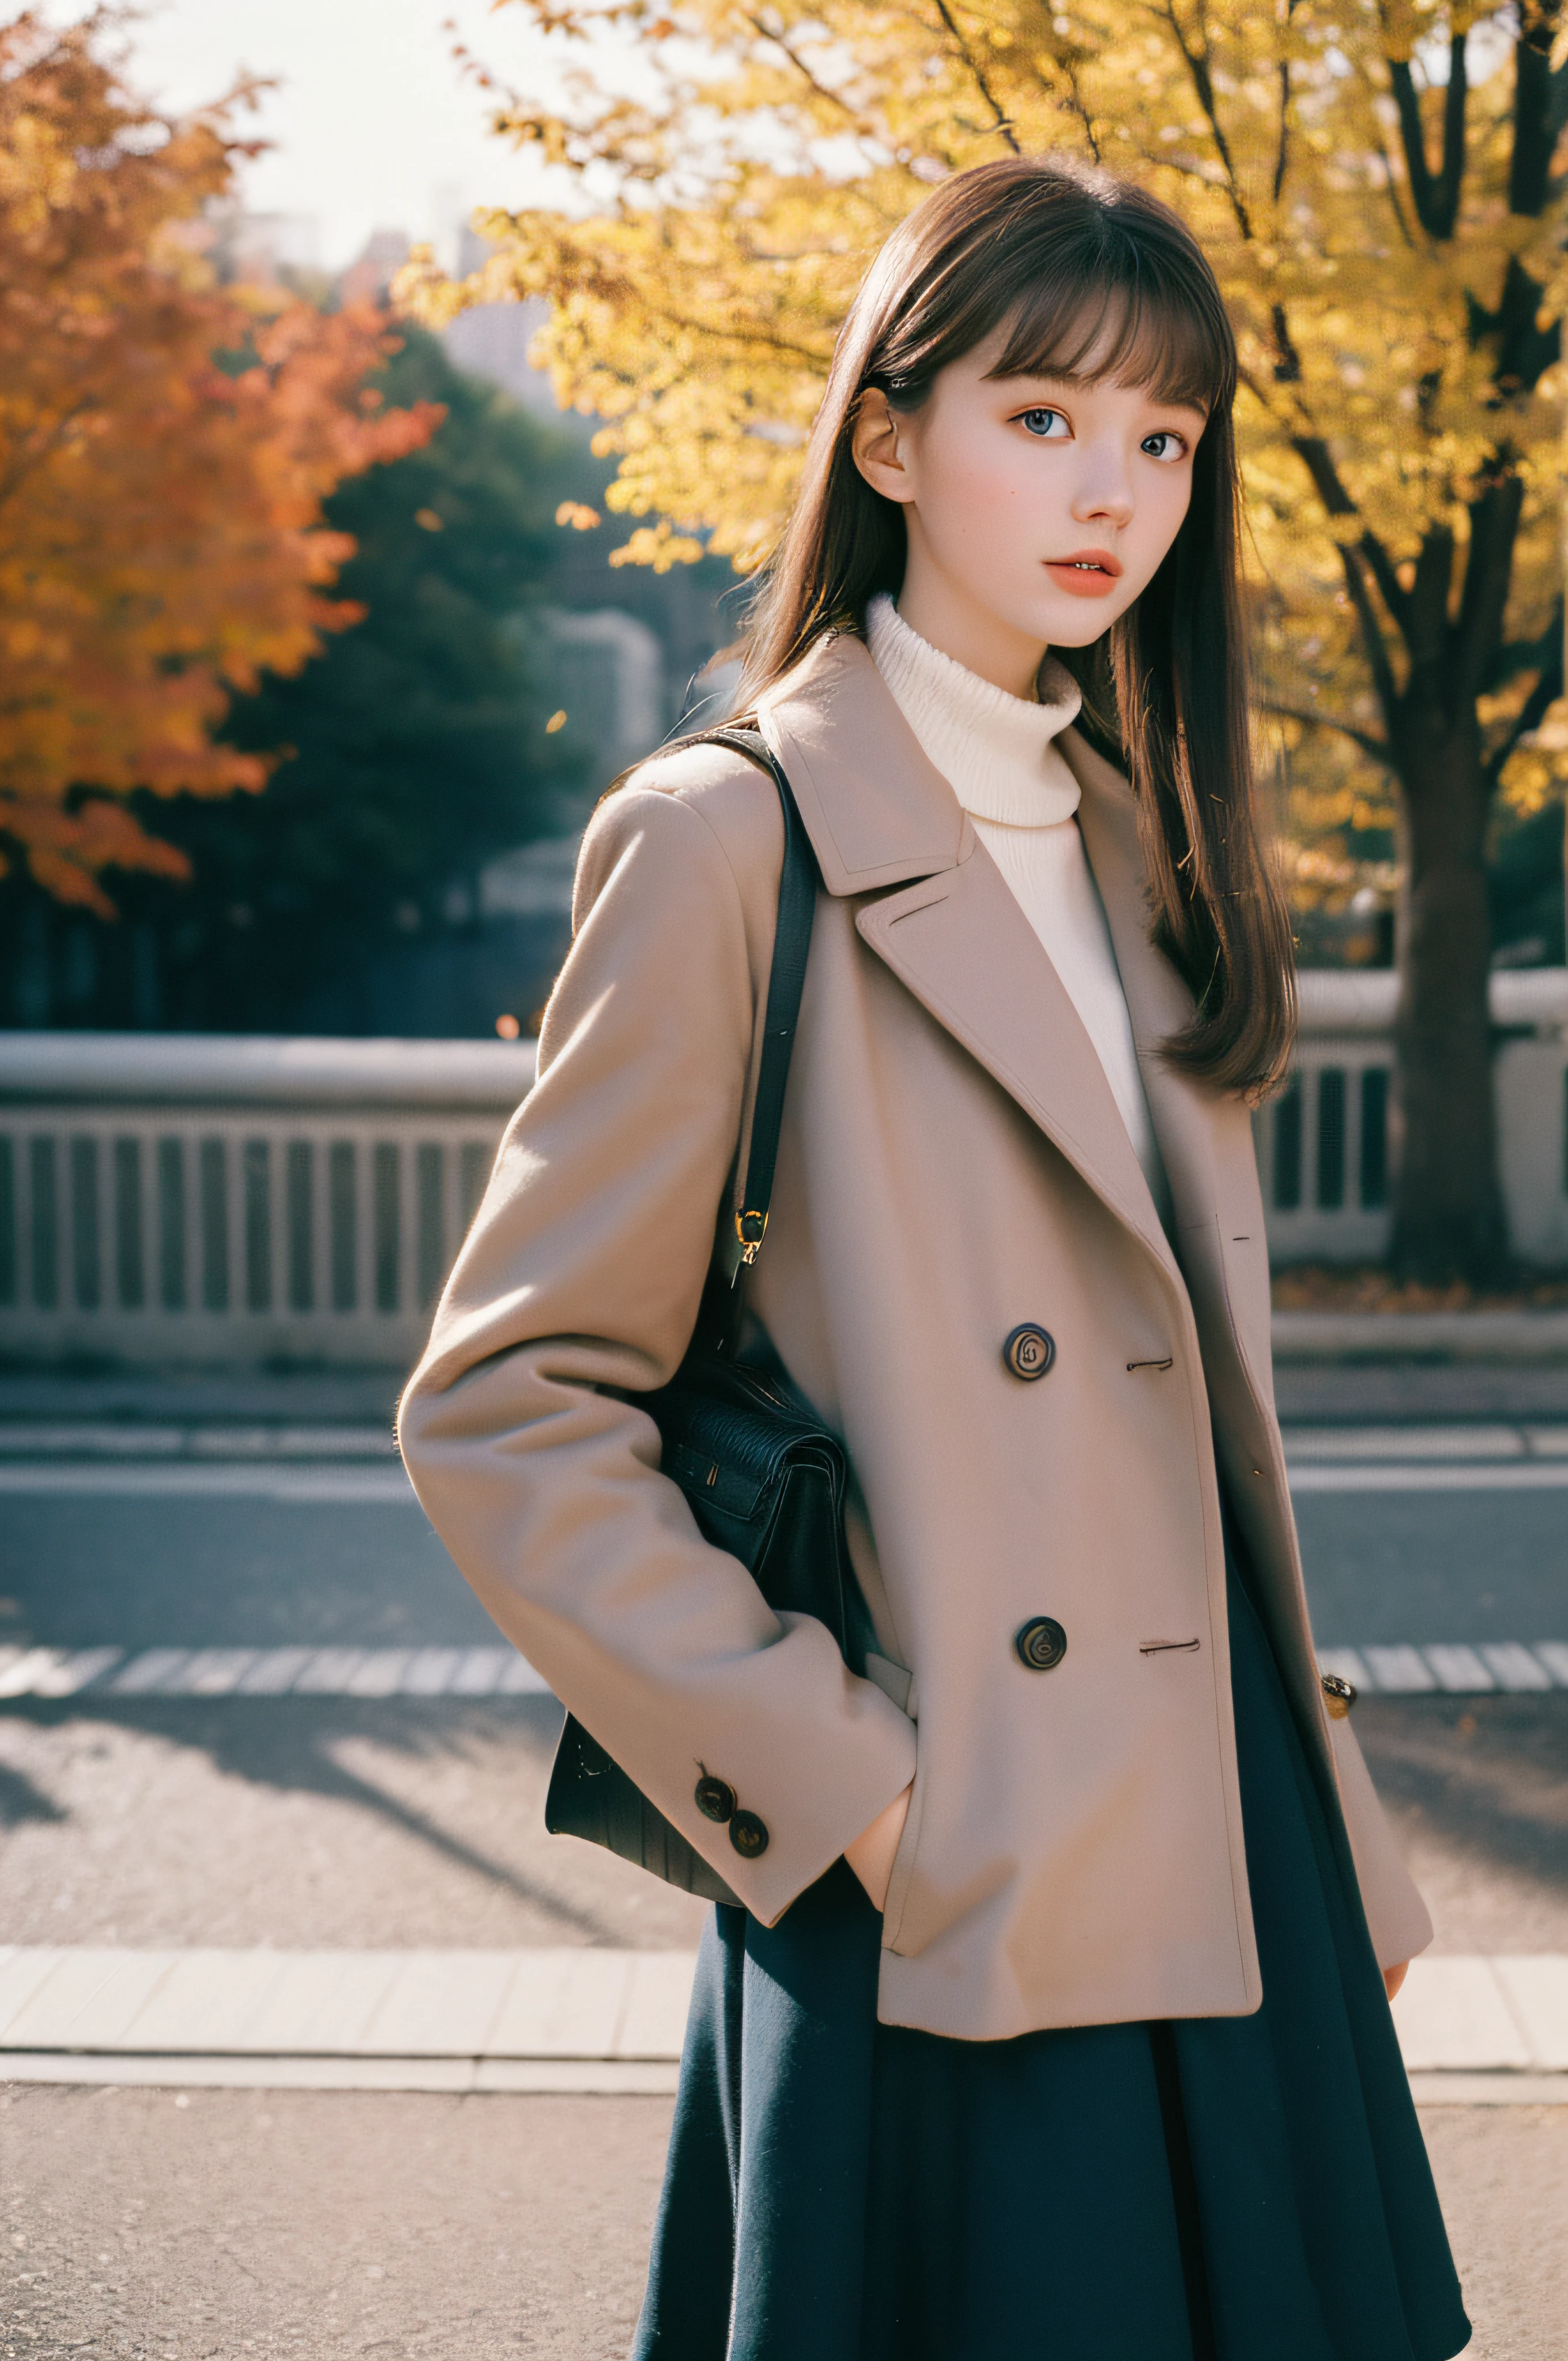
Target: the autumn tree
(417, 745)
(165, 445)
(1373, 180)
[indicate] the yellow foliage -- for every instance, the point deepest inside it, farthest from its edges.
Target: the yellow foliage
(163, 539)
(773, 147)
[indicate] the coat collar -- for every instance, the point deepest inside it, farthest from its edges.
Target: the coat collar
(876, 809)
(880, 815)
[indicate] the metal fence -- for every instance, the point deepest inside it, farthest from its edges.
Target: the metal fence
(1328, 1144)
(210, 1200)
(175, 1199)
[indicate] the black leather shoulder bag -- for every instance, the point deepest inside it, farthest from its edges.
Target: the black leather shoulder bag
(766, 1479)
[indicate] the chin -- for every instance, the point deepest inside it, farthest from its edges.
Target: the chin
(1083, 623)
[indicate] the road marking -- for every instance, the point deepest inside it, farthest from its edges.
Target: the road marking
(1389, 1669)
(340, 1485)
(213, 1673)
(1436, 1462)
(1410, 1442)
(1480, 1475)
(125, 1440)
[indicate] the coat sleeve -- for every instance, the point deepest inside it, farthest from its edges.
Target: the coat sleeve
(582, 1273)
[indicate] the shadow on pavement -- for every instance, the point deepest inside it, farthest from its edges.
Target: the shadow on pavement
(289, 1745)
(1487, 1776)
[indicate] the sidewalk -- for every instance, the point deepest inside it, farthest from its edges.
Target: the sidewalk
(1412, 1366)
(1474, 2031)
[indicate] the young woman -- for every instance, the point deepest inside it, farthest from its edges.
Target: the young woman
(1054, 2023)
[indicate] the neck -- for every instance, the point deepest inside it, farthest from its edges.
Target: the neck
(994, 750)
(993, 650)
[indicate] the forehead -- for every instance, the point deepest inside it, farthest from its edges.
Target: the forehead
(1136, 340)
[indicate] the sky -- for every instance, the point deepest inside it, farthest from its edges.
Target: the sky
(373, 128)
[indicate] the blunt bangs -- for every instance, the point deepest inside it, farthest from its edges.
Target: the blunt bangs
(1090, 281)
(1140, 334)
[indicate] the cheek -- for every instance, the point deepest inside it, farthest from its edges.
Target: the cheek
(1156, 521)
(982, 501)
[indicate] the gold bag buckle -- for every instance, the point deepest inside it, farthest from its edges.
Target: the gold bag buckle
(750, 1228)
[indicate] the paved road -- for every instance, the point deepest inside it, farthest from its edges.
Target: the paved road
(178, 2225)
(326, 2223)
(325, 1820)
(231, 1557)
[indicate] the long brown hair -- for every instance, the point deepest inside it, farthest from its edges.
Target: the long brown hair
(1077, 264)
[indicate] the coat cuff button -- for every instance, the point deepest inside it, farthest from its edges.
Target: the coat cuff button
(1029, 1351)
(1339, 1696)
(715, 1798)
(1040, 1644)
(749, 1835)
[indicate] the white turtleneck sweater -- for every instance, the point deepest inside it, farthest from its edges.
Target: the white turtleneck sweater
(999, 756)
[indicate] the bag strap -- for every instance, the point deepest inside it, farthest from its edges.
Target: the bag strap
(786, 978)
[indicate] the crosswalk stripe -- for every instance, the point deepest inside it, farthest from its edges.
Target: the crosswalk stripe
(215, 1672)
(327, 1485)
(1389, 1669)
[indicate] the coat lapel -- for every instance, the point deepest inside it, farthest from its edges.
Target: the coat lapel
(876, 810)
(962, 946)
(1158, 1001)
(879, 814)
(1204, 1136)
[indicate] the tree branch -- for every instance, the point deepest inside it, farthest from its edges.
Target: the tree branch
(1378, 656)
(1379, 748)
(1450, 185)
(1537, 110)
(1488, 569)
(1533, 711)
(1318, 460)
(1412, 137)
(1434, 194)
(1203, 82)
(779, 40)
(1003, 123)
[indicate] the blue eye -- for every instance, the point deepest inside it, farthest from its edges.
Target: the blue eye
(1175, 445)
(1047, 424)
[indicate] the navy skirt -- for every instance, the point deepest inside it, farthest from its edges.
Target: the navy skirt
(1215, 2189)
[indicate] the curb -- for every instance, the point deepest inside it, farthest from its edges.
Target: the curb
(1507, 1337)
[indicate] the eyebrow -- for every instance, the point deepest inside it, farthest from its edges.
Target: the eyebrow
(1077, 383)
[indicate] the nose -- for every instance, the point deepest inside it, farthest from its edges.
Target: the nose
(1104, 495)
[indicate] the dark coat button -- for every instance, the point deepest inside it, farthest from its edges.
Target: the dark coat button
(1339, 1696)
(749, 1835)
(1040, 1644)
(1029, 1351)
(715, 1798)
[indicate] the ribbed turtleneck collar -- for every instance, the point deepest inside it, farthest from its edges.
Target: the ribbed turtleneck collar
(996, 752)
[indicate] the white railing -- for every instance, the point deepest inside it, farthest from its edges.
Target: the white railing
(204, 1200)
(169, 1198)
(1327, 1144)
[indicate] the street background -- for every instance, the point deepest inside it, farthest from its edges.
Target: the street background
(384, 449)
(207, 2221)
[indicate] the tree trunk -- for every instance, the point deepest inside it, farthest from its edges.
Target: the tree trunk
(1449, 1222)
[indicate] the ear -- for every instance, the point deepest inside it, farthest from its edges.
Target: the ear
(874, 447)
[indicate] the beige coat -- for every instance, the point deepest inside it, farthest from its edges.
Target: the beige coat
(953, 1164)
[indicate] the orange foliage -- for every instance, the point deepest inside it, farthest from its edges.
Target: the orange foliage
(161, 536)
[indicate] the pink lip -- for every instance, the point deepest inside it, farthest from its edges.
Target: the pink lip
(1087, 574)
